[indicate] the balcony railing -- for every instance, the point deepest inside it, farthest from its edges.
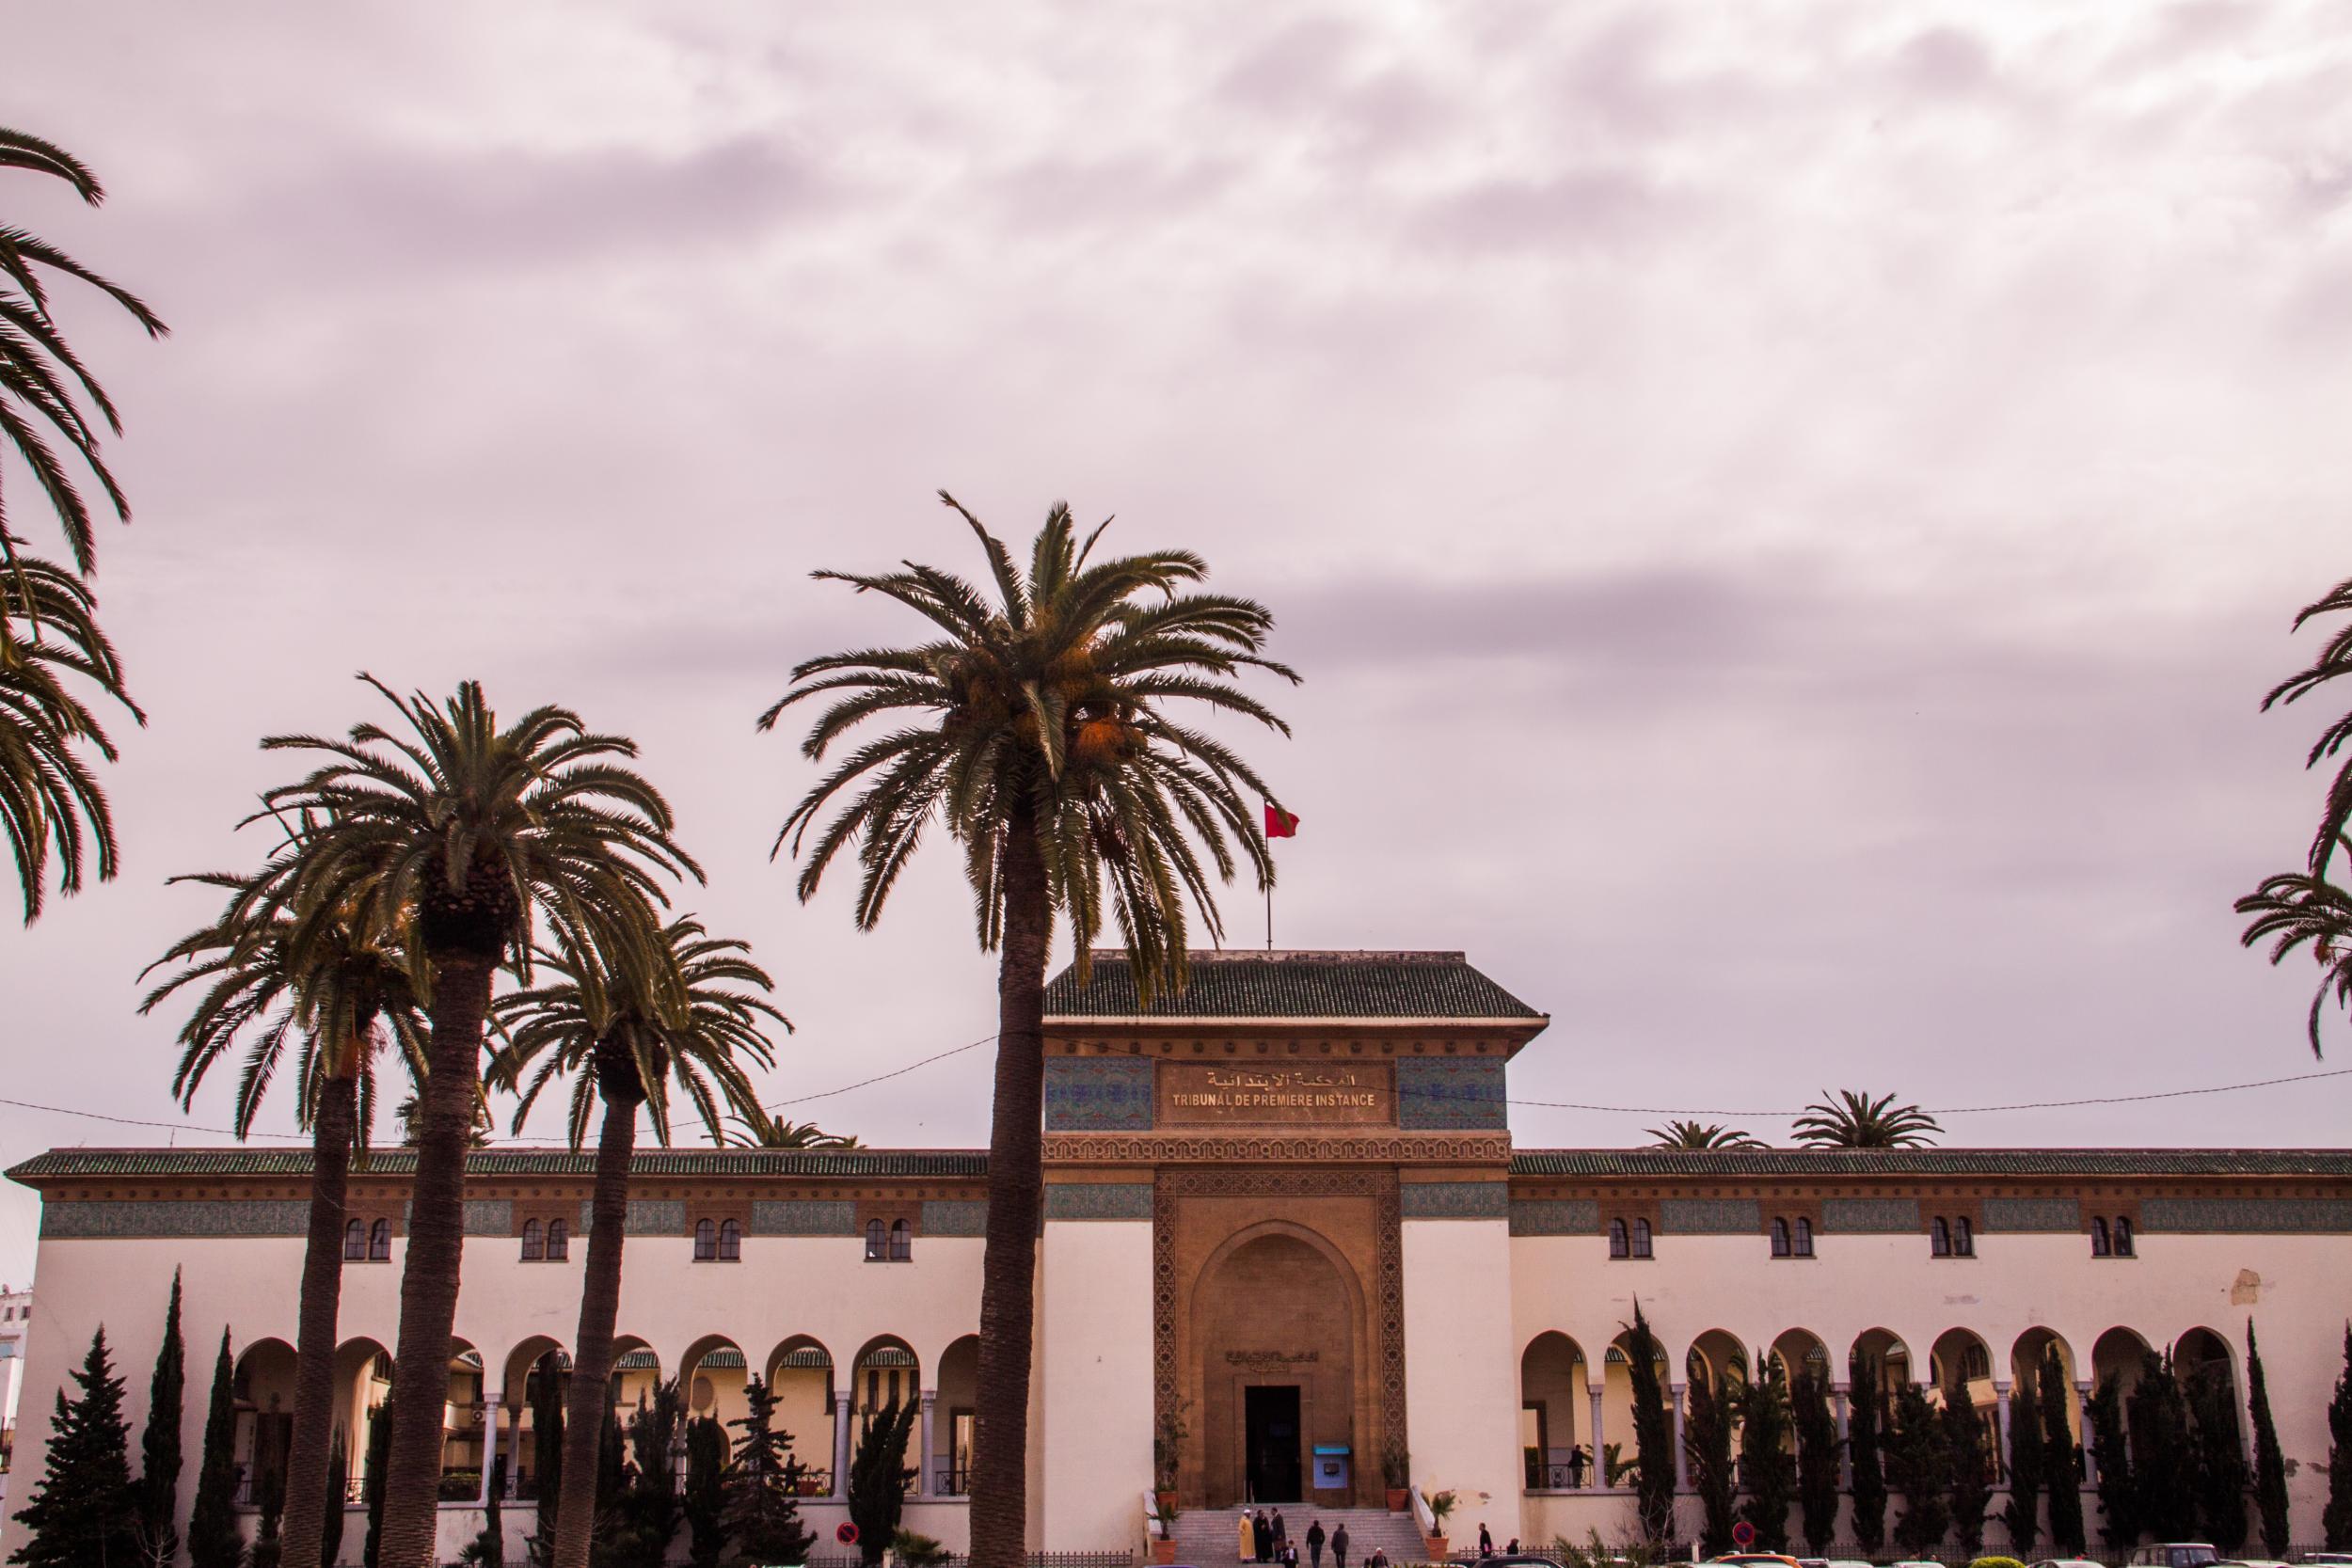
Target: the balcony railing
(952, 1481)
(1561, 1477)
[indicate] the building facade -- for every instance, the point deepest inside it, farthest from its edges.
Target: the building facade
(1284, 1218)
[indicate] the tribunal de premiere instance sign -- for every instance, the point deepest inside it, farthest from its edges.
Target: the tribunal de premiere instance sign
(1201, 1093)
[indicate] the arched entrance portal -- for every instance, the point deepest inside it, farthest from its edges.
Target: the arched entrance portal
(1279, 1316)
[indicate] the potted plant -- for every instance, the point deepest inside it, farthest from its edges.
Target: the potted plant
(1440, 1504)
(1167, 1452)
(1164, 1544)
(1396, 1468)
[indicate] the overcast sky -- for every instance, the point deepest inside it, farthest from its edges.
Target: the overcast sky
(1786, 514)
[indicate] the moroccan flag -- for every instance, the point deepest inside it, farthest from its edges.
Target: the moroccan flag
(1279, 823)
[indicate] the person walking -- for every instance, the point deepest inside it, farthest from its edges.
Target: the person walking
(1379, 1557)
(1314, 1543)
(1248, 1539)
(1485, 1542)
(1281, 1534)
(1264, 1537)
(1290, 1555)
(1338, 1546)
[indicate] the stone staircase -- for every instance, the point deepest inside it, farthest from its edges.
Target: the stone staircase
(1208, 1538)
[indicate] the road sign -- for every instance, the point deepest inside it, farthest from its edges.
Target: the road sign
(846, 1533)
(1742, 1535)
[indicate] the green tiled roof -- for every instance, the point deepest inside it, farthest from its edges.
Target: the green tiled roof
(1663, 1163)
(295, 1162)
(1355, 985)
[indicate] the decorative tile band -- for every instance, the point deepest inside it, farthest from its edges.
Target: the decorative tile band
(803, 1217)
(1710, 1217)
(1454, 1200)
(2275, 1215)
(1098, 1094)
(1555, 1216)
(2030, 1213)
(1849, 1217)
(176, 1217)
(955, 1216)
(494, 1216)
(1099, 1200)
(1442, 1093)
(646, 1216)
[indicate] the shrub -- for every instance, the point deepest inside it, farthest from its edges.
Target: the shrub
(1995, 1563)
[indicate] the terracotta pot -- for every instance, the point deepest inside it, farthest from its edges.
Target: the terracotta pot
(1397, 1499)
(1167, 1502)
(1163, 1551)
(1436, 1548)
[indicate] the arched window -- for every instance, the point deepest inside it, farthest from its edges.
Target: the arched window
(380, 1241)
(1805, 1237)
(2099, 1247)
(354, 1245)
(901, 1242)
(1963, 1237)
(559, 1242)
(533, 1249)
(1780, 1237)
(730, 1242)
(1975, 1363)
(877, 1241)
(705, 1241)
(1617, 1247)
(1940, 1237)
(1641, 1238)
(2123, 1238)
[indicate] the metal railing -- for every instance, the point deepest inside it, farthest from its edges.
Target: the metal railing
(1560, 1478)
(954, 1481)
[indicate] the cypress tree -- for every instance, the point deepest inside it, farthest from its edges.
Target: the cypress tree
(213, 1539)
(84, 1514)
(1817, 1459)
(2217, 1449)
(2270, 1467)
(1652, 1435)
(1970, 1469)
(489, 1547)
(269, 1497)
(1865, 1422)
(2022, 1513)
(2164, 1466)
(1921, 1467)
(2061, 1468)
(547, 1453)
(2336, 1522)
(1706, 1440)
(159, 1444)
(763, 1512)
(338, 1492)
(379, 1463)
(2118, 1489)
(706, 1500)
(878, 1480)
(1767, 1469)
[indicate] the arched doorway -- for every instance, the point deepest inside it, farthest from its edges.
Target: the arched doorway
(1279, 1312)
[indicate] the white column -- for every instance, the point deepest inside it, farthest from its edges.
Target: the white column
(1838, 1394)
(1682, 1468)
(1598, 1469)
(2090, 1458)
(2000, 1429)
(490, 1442)
(841, 1447)
(923, 1472)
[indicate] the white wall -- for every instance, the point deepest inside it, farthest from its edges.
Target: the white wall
(1094, 1347)
(1461, 1370)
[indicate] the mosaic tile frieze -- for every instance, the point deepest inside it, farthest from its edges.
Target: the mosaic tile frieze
(1450, 1094)
(806, 1217)
(2029, 1214)
(1098, 1094)
(1555, 1216)
(2253, 1215)
(1099, 1200)
(1710, 1217)
(1851, 1216)
(176, 1217)
(1276, 1147)
(955, 1216)
(1454, 1200)
(646, 1216)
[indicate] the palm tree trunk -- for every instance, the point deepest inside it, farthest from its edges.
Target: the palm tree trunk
(307, 1502)
(599, 1308)
(428, 1281)
(1000, 1494)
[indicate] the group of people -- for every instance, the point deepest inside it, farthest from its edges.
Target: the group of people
(1267, 1539)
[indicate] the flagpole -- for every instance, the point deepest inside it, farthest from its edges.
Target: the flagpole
(1269, 899)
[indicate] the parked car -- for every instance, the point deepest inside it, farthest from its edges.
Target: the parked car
(2336, 1559)
(2068, 1562)
(1754, 1559)
(2176, 1554)
(2251, 1562)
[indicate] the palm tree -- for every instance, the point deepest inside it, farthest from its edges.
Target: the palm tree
(39, 372)
(49, 641)
(770, 1134)
(1857, 1121)
(444, 842)
(626, 1027)
(271, 975)
(1031, 727)
(2294, 909)
(2334, 659)
(1692, 1135)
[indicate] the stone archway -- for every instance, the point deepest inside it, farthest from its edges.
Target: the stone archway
(1281, 1343)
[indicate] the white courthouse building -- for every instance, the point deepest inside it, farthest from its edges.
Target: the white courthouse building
(1285, 1204)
